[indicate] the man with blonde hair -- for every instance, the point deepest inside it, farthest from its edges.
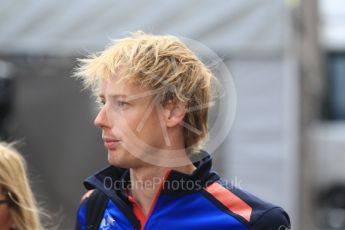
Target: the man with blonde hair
(154, 93)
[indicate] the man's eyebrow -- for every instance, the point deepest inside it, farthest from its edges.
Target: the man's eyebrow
(114, 95)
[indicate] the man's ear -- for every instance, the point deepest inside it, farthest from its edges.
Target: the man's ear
(174, 113)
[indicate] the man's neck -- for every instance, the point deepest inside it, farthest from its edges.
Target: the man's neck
(146, 181)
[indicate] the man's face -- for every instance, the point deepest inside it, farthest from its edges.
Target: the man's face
(128, 114)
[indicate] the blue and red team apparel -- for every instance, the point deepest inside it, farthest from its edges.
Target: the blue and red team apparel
(201, 201)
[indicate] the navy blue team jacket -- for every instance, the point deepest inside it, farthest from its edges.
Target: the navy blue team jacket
(201, 200)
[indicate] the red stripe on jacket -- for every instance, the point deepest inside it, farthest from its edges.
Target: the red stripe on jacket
(230, 200)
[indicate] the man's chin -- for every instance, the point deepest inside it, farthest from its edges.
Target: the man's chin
(118, 161)
(114, 161)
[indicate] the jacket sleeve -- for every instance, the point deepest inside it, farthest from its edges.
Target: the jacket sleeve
(81, 214)
(80, 220)
(273, 219)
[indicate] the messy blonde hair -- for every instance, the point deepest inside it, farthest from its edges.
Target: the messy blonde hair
(15, 185)
(163, 64)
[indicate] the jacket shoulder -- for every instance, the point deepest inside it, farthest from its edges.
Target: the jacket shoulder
(249, 209)
(86, 196)
(275, 219)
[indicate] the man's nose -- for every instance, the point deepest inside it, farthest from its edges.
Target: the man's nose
(101, 120)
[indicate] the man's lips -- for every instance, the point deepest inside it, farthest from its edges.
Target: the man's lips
(110, 143)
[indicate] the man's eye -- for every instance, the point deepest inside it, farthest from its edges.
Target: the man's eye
(122, 103)
(100, 102)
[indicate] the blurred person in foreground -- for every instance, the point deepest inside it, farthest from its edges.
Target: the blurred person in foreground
(152, 91)
(18, 208)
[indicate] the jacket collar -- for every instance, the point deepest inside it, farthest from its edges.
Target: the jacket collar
(176, 183)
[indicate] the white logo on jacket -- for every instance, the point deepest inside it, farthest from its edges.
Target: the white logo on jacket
(107, 222)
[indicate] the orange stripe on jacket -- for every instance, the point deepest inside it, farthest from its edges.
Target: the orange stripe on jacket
(230, 200)
(137, 211)
(86, 196)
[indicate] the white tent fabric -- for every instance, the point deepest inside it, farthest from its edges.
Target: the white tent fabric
(72, 27)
